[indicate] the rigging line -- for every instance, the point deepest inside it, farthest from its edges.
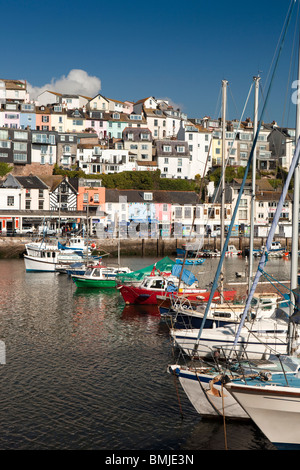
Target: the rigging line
(218, 104)
(241, 190)
(292, 63)
(268, 276)
(233, 140)
(281, 37)
(231, 94)
(194, 216)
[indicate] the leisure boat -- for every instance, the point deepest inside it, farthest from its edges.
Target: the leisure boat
(272, 401)
(212, 387)
(189, 314)
(257, 339)
(189, 261)
(98, 276)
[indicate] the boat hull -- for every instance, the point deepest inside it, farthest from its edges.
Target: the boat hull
(94, 283)
(34, 264)
(209, 398)
(275, 410)
(256, 346)
(137, 295)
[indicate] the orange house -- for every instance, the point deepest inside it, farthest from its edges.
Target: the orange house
(91, 197)
(43, 119)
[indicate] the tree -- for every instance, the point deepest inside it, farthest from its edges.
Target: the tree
(5, 168)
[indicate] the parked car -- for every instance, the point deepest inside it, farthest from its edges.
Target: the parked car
(46, 231)
(216, 233)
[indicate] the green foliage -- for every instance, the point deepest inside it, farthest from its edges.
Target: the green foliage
(5, 168)
(143, 180)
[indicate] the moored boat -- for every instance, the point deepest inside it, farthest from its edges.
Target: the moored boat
(98, 276)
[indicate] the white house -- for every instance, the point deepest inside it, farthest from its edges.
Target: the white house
(199, 143)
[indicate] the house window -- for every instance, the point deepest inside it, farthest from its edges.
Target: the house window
(20, 135)
(20, 146)
(144, 136)
(27, 204)
(148, 196)
(178, 212)
(243, 214)
(166, 148)
(41, 193)
(10, 200)
(187, 212)
(165, 207)
(96, 197)
(41, 204)
(5, 144)
(20, 157)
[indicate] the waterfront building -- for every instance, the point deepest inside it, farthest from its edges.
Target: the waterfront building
(19, 193)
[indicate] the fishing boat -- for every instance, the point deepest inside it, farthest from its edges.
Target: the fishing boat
(77, 244)
(166, 285)
(98, 276)
(45, 257)
(275, 250)
(233, 251)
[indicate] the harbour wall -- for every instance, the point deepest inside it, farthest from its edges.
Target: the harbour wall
(14, 247)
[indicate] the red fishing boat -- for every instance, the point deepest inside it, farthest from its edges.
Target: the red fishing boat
(152, 286)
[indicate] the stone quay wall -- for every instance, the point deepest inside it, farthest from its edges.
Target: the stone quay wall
(14, 247)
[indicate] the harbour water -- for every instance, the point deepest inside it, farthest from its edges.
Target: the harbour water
(85, 372)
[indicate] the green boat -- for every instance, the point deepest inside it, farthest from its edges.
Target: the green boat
(96, 277)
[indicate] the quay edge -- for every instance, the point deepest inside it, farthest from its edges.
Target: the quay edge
(14, 247)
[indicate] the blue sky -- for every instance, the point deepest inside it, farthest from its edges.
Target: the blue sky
(166, 49)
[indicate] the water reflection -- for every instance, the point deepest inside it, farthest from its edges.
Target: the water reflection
(85, 371)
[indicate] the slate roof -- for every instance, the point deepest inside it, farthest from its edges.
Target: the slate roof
(31, 182)
(159, 197)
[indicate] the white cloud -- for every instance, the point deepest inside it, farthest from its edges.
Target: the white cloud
(76, 82)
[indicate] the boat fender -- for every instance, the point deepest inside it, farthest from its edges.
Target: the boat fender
(265, 376)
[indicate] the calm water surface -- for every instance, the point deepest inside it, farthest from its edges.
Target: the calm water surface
(85, 372)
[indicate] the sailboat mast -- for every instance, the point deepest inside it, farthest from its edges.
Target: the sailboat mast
(222, 218)
(256, 82)
(295, 224)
